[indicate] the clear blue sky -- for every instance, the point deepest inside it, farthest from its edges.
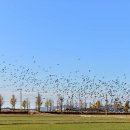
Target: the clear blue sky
(77, 34)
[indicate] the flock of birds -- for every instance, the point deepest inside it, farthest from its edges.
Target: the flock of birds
(73, 88)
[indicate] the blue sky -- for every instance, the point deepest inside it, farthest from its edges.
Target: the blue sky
(77, 34)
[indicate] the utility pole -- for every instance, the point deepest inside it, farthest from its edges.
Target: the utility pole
(85, 103)
(106, 105)
(27, 104)
(72, 102)
(61, 103)
(79, 103)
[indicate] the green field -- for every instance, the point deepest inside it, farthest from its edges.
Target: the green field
(64, 123)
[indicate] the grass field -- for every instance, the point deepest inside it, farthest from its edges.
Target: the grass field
(64, 122)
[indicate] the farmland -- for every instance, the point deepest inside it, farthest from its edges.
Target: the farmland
(71, 122)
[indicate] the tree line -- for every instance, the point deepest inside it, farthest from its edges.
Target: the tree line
(80, 105)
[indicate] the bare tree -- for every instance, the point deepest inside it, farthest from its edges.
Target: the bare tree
(13, 102)
(50, 103)
(24, 104)
(38, 102)
(126, 107)
(1, 102)
(47, 104)
(61, 100)
(81, 105)
(117, 105)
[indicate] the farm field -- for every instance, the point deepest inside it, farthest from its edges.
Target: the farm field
(26, 122)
